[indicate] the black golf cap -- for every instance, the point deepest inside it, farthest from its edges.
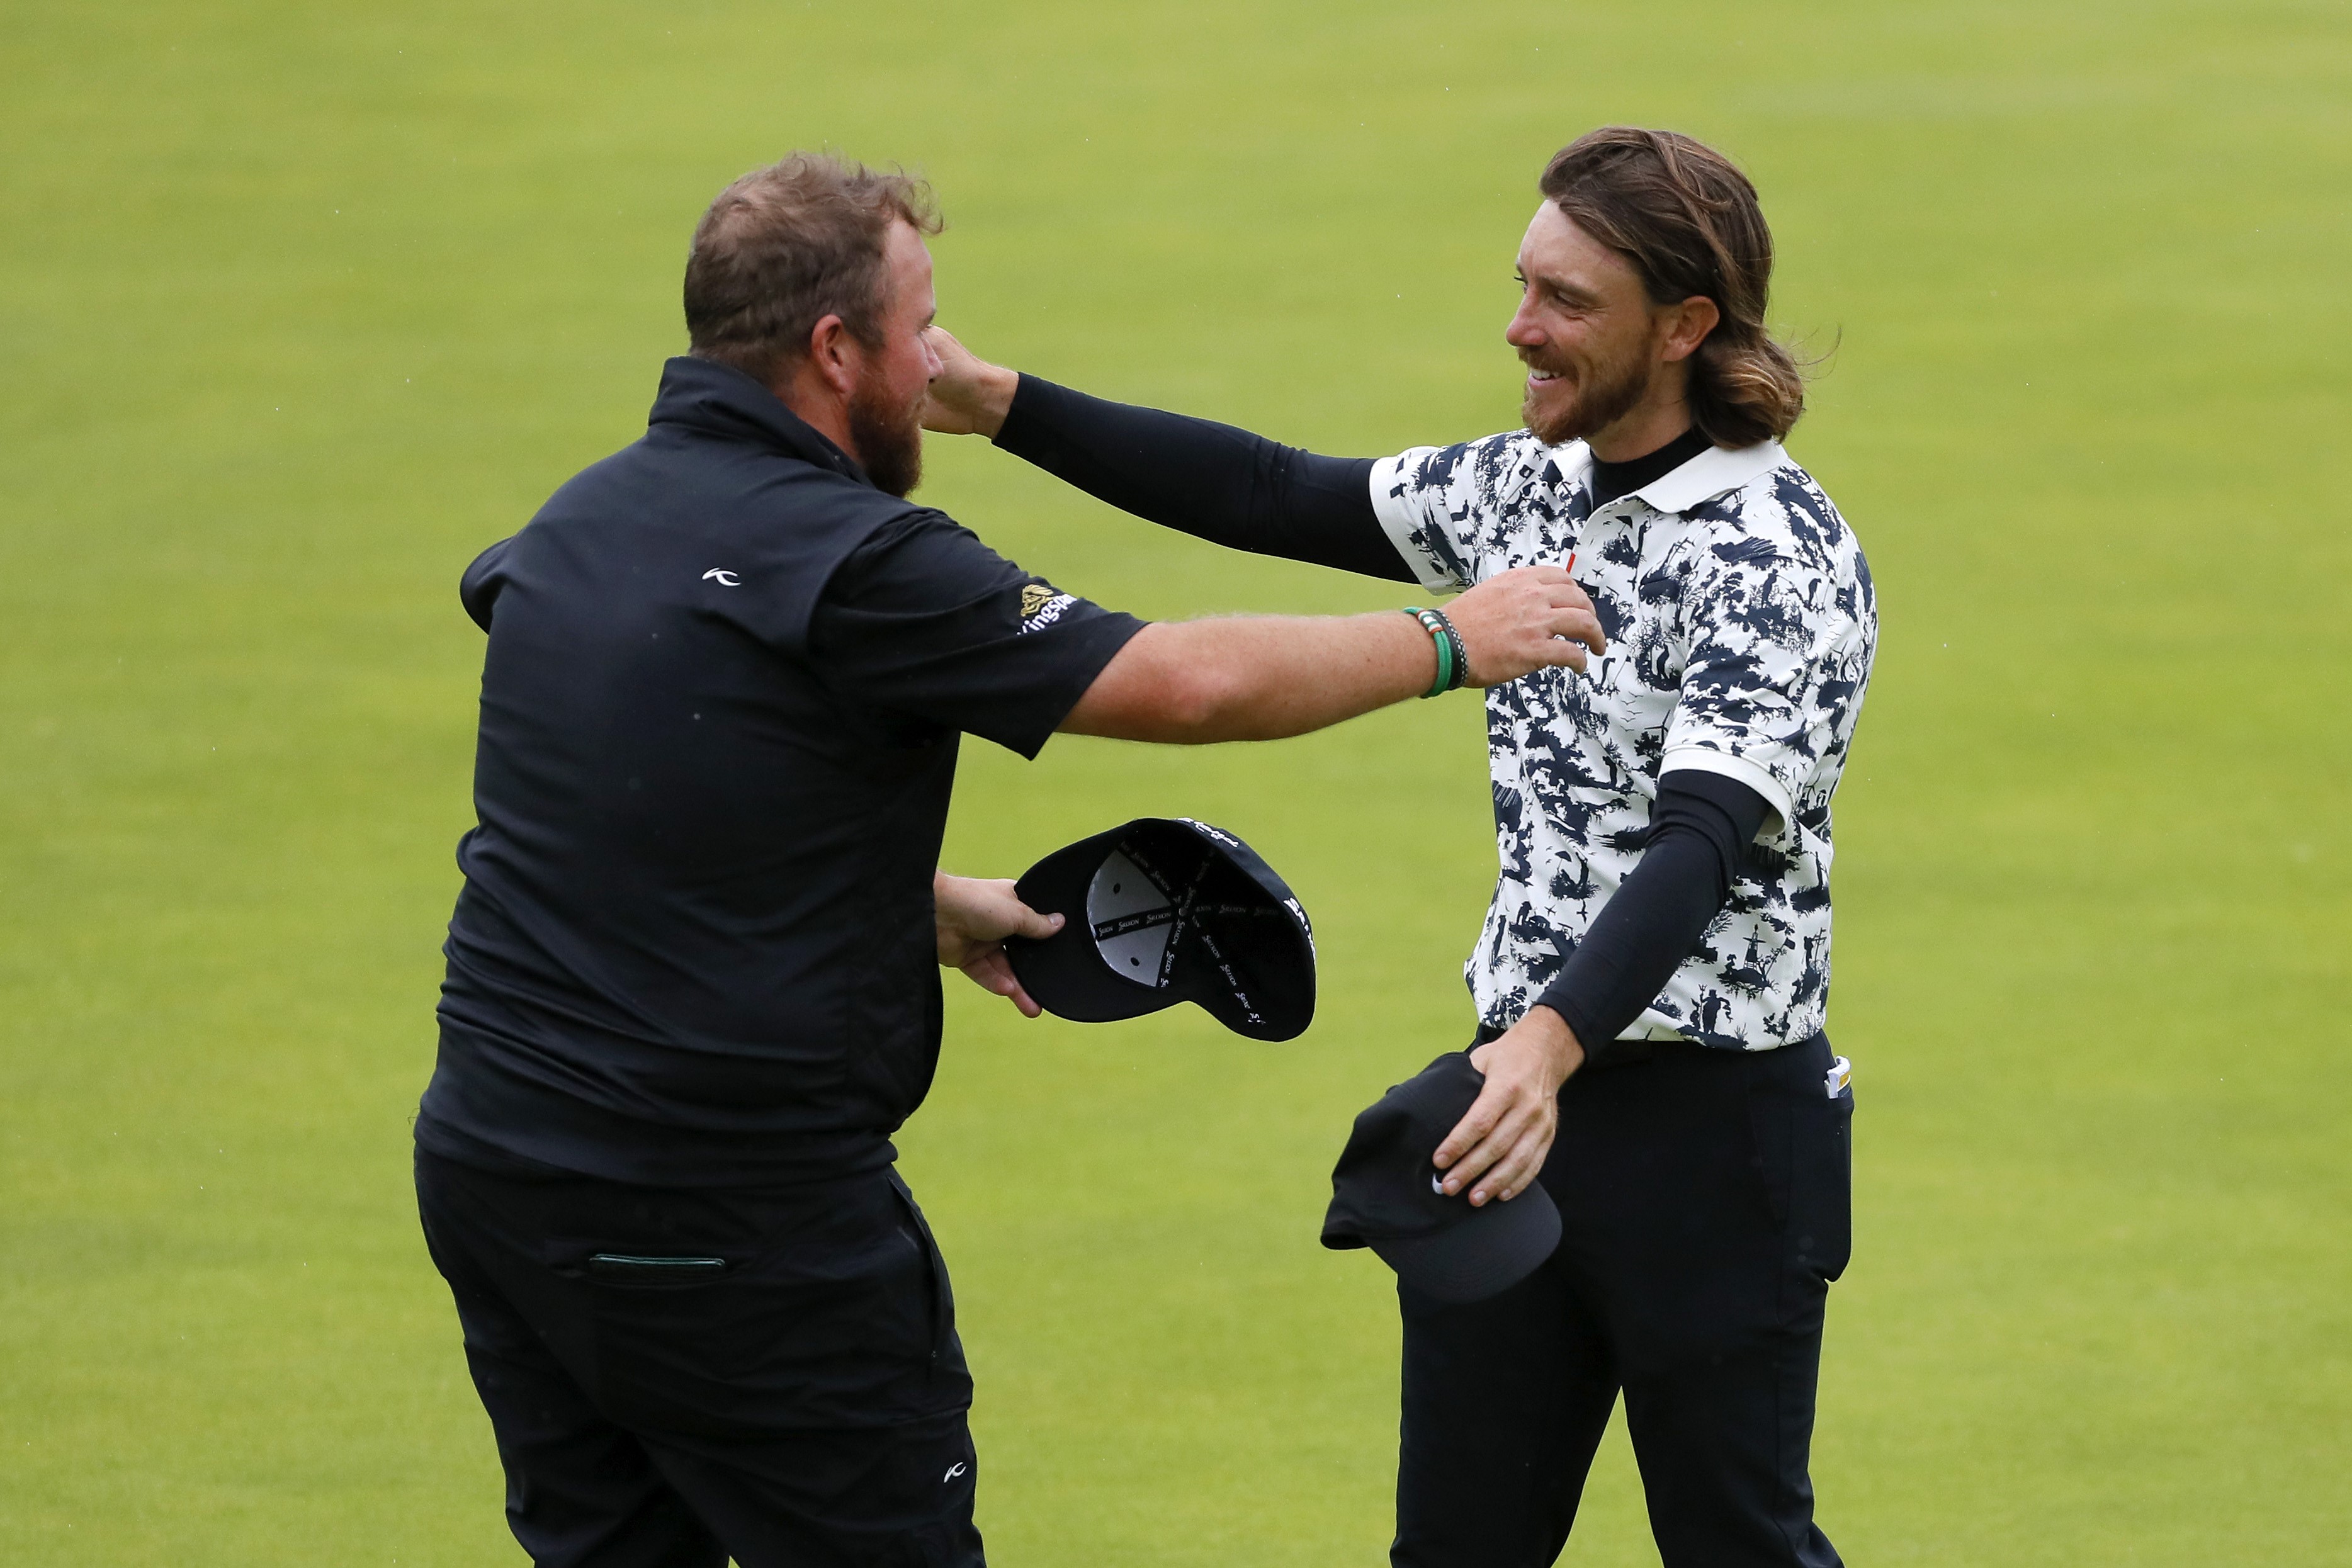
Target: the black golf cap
(1165, 910)
(1384, 1196)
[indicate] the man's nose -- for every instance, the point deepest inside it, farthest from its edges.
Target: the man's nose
(1522, 332)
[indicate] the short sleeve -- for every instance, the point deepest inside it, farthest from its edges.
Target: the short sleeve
(1456, 514)
(1428, 501)
(925, 622)
(1768, 682)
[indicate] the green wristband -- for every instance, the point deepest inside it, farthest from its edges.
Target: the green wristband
(1454, 643)
(1434, 625)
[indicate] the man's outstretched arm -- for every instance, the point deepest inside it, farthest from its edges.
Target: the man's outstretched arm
(1262, 677)
(1210, 480)
(923, 622)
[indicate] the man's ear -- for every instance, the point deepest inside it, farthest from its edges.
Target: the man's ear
(835, 355)
(1693, 318)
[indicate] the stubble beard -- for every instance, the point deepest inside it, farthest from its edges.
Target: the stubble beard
(889, 440)
(1593, 407)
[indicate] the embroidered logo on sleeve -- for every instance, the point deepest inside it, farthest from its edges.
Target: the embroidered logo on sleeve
(1042, 604)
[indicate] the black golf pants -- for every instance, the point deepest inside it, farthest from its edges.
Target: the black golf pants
(802, 1405)
(1704, 1197)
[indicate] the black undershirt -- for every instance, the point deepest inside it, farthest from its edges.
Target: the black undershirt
(1611, 480)
(1233, 489)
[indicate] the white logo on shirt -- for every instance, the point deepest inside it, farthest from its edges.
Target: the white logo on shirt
(953, 1471)
(725, 577)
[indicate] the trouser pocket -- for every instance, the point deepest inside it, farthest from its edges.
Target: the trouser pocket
(943, 1298)
(1804, 1154)
(660, 1272)
(827, 1312)
(1821, 1208)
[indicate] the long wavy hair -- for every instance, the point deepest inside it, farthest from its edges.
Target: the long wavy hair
(1689, 222)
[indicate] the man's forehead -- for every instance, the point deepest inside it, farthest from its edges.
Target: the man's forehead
(1556, 251)
(1550, 236)
(906, 247)
(910, 264)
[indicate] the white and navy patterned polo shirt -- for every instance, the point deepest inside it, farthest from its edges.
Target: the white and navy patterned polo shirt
(1741, 623)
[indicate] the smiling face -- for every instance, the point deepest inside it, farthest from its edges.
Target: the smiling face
(1600, 354)
(885, 411)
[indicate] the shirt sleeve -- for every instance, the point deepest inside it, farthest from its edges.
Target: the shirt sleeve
(1768, 675)
(1433, 501)
(924, 621)
(478, 589)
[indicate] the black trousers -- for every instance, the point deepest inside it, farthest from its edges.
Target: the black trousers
(1705, 1197)
(799, 1405)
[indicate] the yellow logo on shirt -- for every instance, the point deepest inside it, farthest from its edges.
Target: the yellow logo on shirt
(1042, 604)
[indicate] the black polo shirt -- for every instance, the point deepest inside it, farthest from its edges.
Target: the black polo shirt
(724, 686)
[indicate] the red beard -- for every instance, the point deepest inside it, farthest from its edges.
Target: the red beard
(889, 442)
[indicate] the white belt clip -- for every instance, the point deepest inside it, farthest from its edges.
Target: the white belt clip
(1841, 1073)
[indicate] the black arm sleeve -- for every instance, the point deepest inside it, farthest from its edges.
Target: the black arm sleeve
(1704, 822)
(1210, 480)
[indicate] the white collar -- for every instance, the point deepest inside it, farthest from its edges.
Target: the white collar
(1702, 479)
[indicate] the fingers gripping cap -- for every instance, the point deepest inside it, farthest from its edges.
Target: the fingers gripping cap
(1164, 910)
(1385, 1196)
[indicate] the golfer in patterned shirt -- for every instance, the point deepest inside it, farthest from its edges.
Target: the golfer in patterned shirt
(1653, 979)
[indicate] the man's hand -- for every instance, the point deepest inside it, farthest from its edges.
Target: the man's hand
(973, 916)
(1524, 618)
(969, 396)
(1497, 1149)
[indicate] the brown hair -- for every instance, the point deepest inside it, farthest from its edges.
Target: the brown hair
(787, 246)
(1689, 222)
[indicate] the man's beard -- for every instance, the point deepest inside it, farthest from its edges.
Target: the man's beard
(889, 440)
(1594, 406)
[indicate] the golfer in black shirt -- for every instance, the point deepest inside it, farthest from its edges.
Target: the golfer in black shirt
(691, 986)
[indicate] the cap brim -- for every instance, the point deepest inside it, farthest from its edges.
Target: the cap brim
(1254, 971)
(1483, 1255)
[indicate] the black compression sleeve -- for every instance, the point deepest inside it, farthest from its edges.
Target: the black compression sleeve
(1208, 479)
(1703, 823)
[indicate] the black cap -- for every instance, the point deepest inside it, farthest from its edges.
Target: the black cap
(1384, 1196)
(1165, 910)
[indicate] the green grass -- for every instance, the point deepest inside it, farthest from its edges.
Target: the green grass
(300, 306)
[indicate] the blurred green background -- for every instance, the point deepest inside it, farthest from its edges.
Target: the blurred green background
(301, 305)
